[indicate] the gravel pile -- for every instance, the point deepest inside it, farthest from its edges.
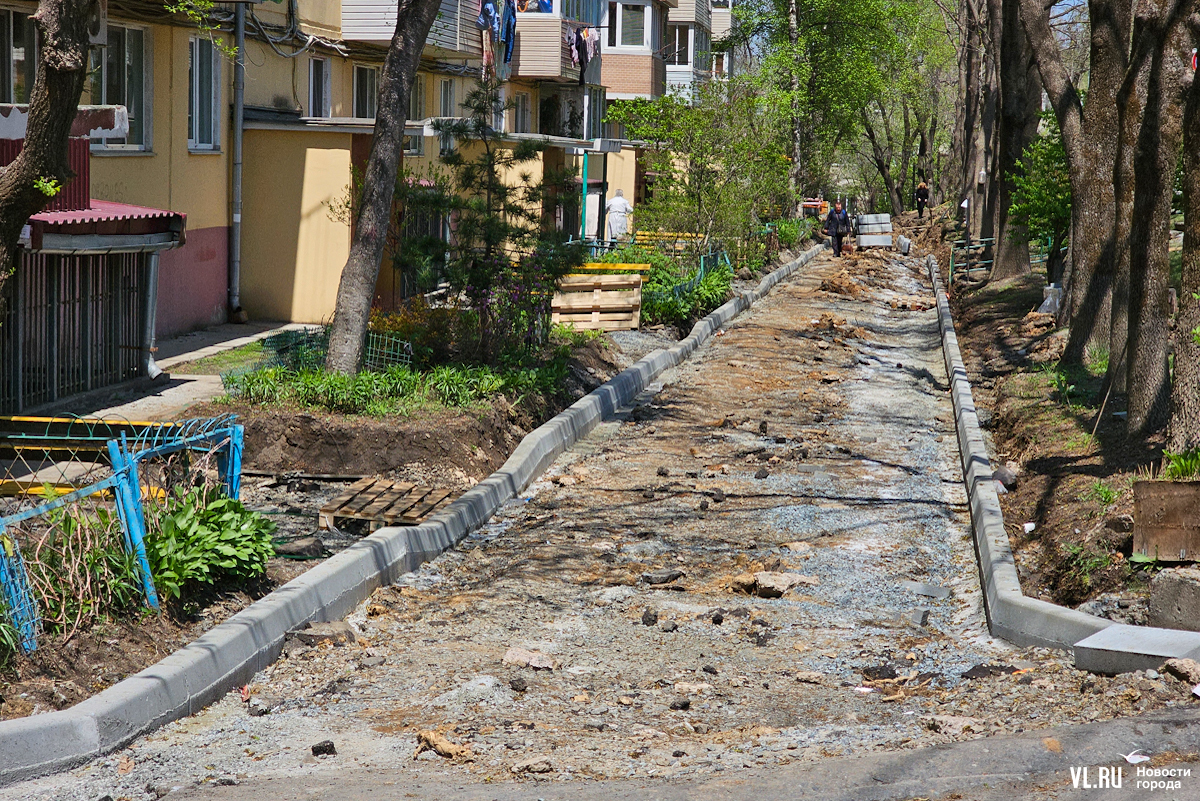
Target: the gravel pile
(765, 560)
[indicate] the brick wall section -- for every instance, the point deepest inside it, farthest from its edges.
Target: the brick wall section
(642, 75)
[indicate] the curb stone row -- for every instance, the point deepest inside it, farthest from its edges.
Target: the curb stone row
(232, 652)
(1099, 645)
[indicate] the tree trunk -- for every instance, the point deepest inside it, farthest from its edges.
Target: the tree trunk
(1020, 93)
(881, 157)
(796, 172)
(1129, 114)
(61, 72)
(1184, 432)
(357, 287)
(1089, 139)
(1150, 229)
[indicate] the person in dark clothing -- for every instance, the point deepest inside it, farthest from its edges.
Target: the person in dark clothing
(922, 199)
(837, 225)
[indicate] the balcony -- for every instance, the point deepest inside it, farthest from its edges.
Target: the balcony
(453, 34)
(694, 11)
(630, 75)
(541, 54)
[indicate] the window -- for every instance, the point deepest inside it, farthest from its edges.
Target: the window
(719, 64)
(416, 99)
(204, 94)
(703, 49)
(118, 79)
(611, 129)
(18, 45)
(597, 106)
(633, 25)
(498, 109)
(318, 87)
(522, 121)
(612, 24)
(366, 91)
(676, 45)
(414, 145)
(447, 109)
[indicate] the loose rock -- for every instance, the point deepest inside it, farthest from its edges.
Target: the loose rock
(324, 748)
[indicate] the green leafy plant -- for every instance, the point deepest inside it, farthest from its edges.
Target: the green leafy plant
(1181, 466)
(10, 638)
(1106, 495)
(201, 537)
(47, 186)
(1086, 562)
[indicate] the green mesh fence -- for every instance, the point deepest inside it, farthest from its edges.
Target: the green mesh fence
(305, 349)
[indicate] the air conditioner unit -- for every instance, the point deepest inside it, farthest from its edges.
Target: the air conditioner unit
(98, 23)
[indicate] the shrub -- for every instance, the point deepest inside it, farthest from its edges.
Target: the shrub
(201, 537)
(432, 330)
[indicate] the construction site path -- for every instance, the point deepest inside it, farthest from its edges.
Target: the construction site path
(765, 560)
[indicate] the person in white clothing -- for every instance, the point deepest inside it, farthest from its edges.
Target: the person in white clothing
(618, 209)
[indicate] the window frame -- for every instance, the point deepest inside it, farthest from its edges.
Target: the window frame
(446, 142)
(145, 122)
(616, 30)
(373, 97)
(326, 87)
(671, 49)
(522, 111)
(6, 46)
(195, 46)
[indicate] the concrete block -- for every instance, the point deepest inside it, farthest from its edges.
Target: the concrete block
(1175, 599)
(874, 240)
(1122, 649)
(42, 744)
(928, 590)
(874, 218)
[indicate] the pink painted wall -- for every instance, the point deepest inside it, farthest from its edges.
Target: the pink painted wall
(193, 282)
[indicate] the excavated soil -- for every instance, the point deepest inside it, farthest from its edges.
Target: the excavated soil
(600, 625)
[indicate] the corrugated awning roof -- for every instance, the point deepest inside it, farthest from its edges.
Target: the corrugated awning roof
(105, 218)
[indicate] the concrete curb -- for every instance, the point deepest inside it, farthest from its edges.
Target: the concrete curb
(231, 653)
(1099, 645)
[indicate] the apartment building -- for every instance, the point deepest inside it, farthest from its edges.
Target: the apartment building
(688, 46)
(311, 72)
(723, 63)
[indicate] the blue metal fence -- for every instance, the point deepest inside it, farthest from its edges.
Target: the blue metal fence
(129, 451)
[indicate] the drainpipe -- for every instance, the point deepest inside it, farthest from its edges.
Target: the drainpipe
(236, 313)
(149, 320)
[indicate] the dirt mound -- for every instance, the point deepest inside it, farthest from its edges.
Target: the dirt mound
(842, 283)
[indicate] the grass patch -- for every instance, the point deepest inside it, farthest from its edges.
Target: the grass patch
(397, 390)
(233, 359)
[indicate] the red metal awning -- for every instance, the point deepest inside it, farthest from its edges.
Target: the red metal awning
(106, 218)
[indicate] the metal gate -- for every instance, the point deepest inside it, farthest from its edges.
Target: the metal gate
(70, 324)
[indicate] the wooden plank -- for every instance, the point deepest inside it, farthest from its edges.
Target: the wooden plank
(605, 267)
(385, 499)
(425, 506)
(603, 301)
(353, 507)
(1166, 520)
(581, 283)
(404, 504)
(349, 493)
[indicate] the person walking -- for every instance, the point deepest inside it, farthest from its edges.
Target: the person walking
(618, 210)
(922, 195)
(837, 225)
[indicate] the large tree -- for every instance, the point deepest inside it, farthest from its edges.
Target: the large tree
(357, 287)
(26, 183)
(1090, 135)
(1184, 432)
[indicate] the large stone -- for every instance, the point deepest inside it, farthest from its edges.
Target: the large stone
(523, 657)
(339, 633)
(768, 583)
(1175, 599)
(304, 548)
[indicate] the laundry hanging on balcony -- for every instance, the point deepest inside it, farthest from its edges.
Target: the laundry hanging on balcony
(584, 45)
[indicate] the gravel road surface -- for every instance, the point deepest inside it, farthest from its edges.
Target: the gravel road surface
(764, 563)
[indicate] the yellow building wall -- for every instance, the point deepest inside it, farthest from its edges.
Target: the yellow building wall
(169, 176)
(292, 251)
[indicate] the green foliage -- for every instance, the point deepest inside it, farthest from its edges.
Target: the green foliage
(10, 638)
(383, 393)
(78, 569)
(505, 262)
(47, 186)
(1181, 466)
(719, 160)
(1042, 200)
(199, 13)
(201, 538)
(794, 231)
(1086, 562)
(1102, 493)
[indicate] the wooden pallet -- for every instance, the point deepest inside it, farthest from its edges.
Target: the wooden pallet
(599, 302)
(383, 502)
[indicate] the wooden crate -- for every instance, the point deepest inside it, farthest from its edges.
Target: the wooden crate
(600, 302)
(383, 502)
